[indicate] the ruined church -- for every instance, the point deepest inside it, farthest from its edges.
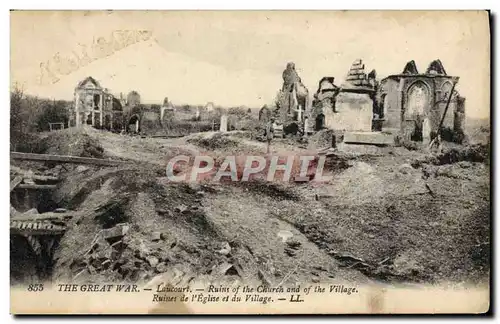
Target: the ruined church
(415, 103)
(411, 104)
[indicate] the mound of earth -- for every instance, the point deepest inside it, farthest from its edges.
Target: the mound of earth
(72, 141)
(471, 153)
(325, 138)
(212, 141)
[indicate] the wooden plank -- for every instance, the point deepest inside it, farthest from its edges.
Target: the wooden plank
(164, 136)
(15, 182)
(44, 216)
(64, 159)
(36, 186)
(28, 174)
(17, 231)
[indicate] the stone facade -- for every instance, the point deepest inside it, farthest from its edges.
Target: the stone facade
(323, 107)
(353, 105)
(354, 112)
(94, 105)
(411, 100)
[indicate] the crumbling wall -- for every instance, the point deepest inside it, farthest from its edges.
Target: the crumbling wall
(389, 101)
(443, 88)
(354, 112)
(328, 112)
(356, 77)
(150, 123)
(459, 116)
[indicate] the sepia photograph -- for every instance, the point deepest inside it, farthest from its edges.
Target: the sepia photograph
(250, 162)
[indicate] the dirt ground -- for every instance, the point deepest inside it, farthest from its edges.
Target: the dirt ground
(388, 215)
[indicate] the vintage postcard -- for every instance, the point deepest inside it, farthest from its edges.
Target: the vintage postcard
(250, 162)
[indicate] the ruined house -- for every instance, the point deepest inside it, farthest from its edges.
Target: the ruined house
(209, 107)
(413, 103)
(94, 105)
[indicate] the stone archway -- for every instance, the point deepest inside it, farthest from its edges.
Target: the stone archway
(133, 124)
(418, 99)
(417, 110)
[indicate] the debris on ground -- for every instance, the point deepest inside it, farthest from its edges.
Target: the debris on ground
(394, 216)
(471, 153)
(212, 141)
(325, 138)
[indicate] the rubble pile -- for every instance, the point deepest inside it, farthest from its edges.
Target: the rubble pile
(142, 228)
(325, 138)
(472, 153)
(115, 253)
(213, 141)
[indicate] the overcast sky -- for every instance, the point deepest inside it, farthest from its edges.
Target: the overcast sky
(236, 58)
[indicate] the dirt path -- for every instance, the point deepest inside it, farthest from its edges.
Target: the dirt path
(151, 150)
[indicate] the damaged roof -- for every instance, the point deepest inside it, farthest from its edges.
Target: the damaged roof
(410, 68)
(436, 67)
(88, 79)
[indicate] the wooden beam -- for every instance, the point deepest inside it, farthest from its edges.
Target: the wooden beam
(44, 216)
(15, 182)
(64, 159)
(36, 186)
(28, 174)
(17, 231)
(446, 107)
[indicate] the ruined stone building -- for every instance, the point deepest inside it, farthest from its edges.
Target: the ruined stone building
(167, 112)
(209, 106)
(348, 107)
(413, 103)
(323, 106)
(293, 98)
(94, 105)
(410, 104)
